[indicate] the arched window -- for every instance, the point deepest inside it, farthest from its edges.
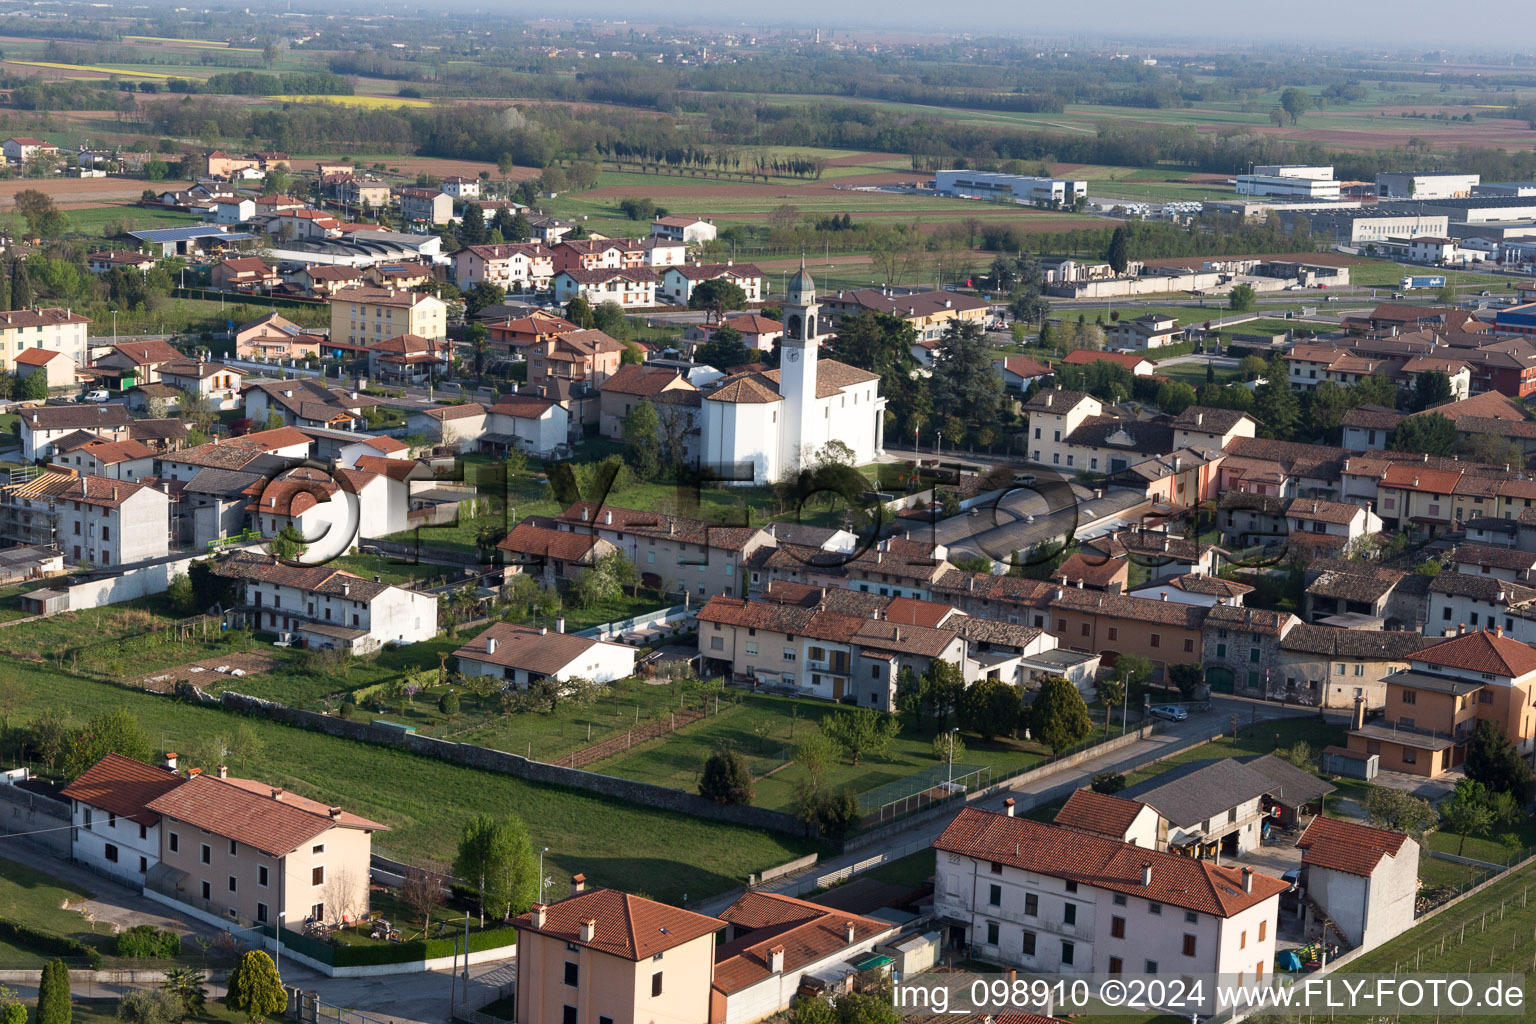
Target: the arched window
(810, 327)
(794, 327)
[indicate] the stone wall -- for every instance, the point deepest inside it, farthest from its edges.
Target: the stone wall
(487, 759)
(24, 811)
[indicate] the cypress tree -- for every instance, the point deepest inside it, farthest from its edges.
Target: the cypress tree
(53, 1005)
(21, 285)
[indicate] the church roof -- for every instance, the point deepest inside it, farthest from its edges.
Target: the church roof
(801, 288)
(763, 385)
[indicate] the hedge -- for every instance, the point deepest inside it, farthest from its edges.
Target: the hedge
(36, 940)
(146, 942)
(394, 952)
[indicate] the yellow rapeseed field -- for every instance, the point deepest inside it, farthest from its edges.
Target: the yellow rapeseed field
(373, 102)
(89, 67)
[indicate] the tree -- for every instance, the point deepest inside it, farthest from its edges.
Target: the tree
(1251, 367)
(149, 1006)
(1119, 254)
(1275, 404)
(633, 355)
(964, 382)
(53, 1004)
(642, 433)
(289, 543)
(943, 687)
(520, 229)
(424, 889)
(180, 592)
(1295, 102)
(108, 732)
(448, 704)
(482, 294)
(1431, 388)
(472, 226)
(1112, 694)
(910, 698)
(1466, 812)
(1188, 677)
(1398, 811)
(497, 858)
(1059, 718)
(1494, 762)
(723, 350)
(948, 747)
(810, 1010)
(255, 989)
(43, 218)
(579, 312)
(816, 754)
(1174, 396)
(1243, 298)
(990, 708)
(861, 731)
(21, 285)
(1108, 783)
(33, 387)
(832, 814)
(269, 54)
(189, 987)
(726, 778)
(718, 295)
(1427, 433)
(865, 1008)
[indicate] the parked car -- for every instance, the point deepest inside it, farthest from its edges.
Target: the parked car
(1171, 712)
(97, 396)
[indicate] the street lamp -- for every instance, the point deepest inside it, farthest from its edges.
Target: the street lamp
(951, 781)
(541, 873)
(938, 447)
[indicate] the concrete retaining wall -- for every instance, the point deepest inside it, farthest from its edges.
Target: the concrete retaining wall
(501, 762)
(788, 868)
(24, 811)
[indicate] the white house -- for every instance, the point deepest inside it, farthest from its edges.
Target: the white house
(525, 654)
(631, 288)
(113, 831)
(1329, 525)
(683, 229)
(327, 607)
(104, 522)
(462, 188)
(1365, 879)
(515, 266)
(1211, 809)
(531, 424)
(41, 426)
(118, 460)
(678, 283)
(19, 150)
(231, 211)
(1056, 900)
(764, 424)
(1113, 817)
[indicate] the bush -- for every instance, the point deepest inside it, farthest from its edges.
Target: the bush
(35, 940)
(146, 942)
(1108, 782)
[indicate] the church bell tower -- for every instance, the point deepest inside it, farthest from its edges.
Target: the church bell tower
(797, 366)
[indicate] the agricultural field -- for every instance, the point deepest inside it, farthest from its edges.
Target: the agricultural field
(426, 802)
(367, 102)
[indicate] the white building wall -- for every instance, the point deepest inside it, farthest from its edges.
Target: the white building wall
(137, 846)
(403, 616)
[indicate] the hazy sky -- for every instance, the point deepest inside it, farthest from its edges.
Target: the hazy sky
(1490, 25)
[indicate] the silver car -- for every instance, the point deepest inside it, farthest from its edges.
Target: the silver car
(1171, 712)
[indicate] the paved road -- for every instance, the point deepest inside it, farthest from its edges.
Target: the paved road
(1028, 792)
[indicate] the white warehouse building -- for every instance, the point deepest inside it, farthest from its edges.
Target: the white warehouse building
(1426, 186)
(1020, 188)
(1286, 185)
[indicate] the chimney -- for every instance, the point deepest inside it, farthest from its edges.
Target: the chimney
(168, 760)
(490, 645)
(848, 932)
(1357, 717)
(1146, 874)
(223, 771)
(1164, 595)
(334, 812)
(608, 518)
(1499, 630)
(277, 793)
(1008, 806)
(583, 515)
(578, 884)
(896, 633)
(559, 625)
(1199, 418)
(537, 913)
(776, 960)
(1247, 879)
(346, 590)
(272, 502)
(543, 631)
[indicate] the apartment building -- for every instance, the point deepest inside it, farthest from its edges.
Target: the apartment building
(52, 329)
(94, 521)
(677, 283)
(114, 832)
(408, 359)
(513, 266)
(683, 229)
(1332, 667)
(327, 607)
(514, 337)
(702, 558)
(241, 851)
(427, 206)
(366, 315)
(41, 426)
(1433, 706)
(1056, 900)
(590, 356)
(116, 460)
(630, 288)
(929, 313)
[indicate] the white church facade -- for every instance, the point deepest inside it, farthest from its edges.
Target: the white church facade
(776, 421)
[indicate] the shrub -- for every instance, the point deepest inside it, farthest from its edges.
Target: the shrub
(1108, 782)
(146, 942)
(36, 940)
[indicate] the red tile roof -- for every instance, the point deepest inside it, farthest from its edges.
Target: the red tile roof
(1346, 846)
(1482, 651)
(807, 933)
(540, 653)
(631, 927)
(1098, 813)
(38, 356)
(543, 542)
(1081, 357)
(123, 786)
(1065, 853)
(638, 379)
(254, 813)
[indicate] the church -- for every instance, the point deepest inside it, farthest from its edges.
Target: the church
(762, 426)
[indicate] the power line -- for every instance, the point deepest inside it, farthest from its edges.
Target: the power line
(35, 832)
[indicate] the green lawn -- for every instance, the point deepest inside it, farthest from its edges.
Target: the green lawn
(104, 1011)
(426, 802)
(1260, 738)
(765, 729)
(34, 898)
(1194, 374)
(93, 221)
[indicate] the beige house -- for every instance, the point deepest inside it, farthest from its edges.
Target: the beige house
(698, 557)
(608, 956)
(1334, 667)
(367, 316)
(57, 368)
(242, 851)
